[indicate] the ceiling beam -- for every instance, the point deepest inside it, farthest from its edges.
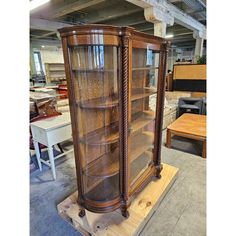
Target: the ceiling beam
(111, 12)
(44, 35)
(163, 9)
(39, 42)
(134, 19)
(41, 24)
(72, 7)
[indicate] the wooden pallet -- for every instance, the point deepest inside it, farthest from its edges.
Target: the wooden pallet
(113, 224)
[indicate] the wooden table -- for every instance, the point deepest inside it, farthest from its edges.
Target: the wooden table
(50, 132)
(191, 126)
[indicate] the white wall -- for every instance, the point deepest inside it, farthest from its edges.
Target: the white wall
(50, 54)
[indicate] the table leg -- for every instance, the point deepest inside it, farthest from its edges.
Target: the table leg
(36, 147)
(52, 163)
(168, 138)
(204, 149)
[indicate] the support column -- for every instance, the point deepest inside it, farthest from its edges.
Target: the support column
(32, 64)
(160, 29)
(198, 47)
(199, 36)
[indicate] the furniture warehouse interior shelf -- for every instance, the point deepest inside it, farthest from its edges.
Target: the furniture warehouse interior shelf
(110, 102)
(110, 134)
(104, 166)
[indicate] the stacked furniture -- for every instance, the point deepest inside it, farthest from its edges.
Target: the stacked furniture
(111, 74)
(42, 104)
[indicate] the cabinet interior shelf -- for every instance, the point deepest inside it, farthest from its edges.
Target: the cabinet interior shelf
(79, 70)
(111, 133)
(108, 165)
(110, 102)
(145, 68)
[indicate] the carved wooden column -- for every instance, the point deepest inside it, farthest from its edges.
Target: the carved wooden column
(124, 126)
(160, 109)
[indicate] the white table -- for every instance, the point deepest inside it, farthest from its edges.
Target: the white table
(50, 132)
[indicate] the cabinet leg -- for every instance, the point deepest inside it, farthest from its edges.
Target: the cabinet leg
(125, 213)
(82, 213)
(158, 171)
(168, 138)
(124, 210)
(52, 162)
(204, 147)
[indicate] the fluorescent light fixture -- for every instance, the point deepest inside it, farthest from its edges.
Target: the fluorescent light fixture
(36, 3)
(169, 36)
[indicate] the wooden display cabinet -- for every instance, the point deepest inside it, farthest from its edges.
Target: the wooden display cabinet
(114, 75)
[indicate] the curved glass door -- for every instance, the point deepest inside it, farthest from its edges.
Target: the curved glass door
(95, 80)
(143, 111)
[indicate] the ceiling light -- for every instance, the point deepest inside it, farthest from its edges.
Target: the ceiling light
(43, 46)
(36, 3)
(169, 36)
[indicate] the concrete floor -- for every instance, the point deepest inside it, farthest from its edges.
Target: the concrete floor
(181, 213)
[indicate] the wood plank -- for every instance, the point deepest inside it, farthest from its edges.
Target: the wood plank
(191, 72)
(113, 224)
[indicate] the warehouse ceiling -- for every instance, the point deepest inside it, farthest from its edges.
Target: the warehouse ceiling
(58, 13)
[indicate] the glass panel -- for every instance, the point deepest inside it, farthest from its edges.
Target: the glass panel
(143, 106)
(95, 77)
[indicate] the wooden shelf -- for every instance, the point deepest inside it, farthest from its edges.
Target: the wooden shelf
(105, 166)
(110, 134)
(108, 164)
(110, 102)
(144, 119)
(142, 93)
(91, 70)
(145, 68)
(104, 136)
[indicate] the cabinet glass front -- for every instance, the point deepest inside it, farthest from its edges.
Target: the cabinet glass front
(95, 78)
(143, 110)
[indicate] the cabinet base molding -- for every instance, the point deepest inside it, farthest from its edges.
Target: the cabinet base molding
(113, 223)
